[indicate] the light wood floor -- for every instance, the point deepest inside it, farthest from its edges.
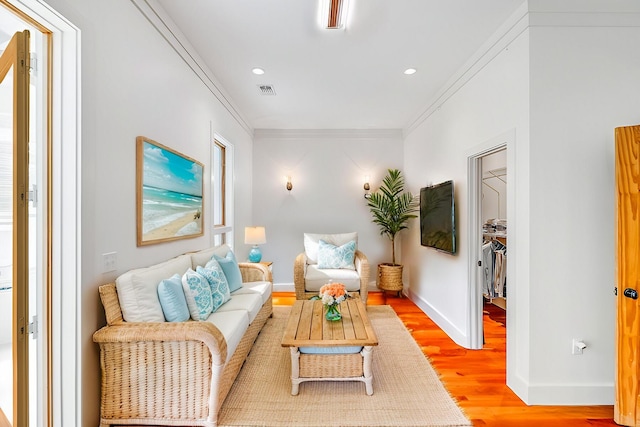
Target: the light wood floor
(477, 378)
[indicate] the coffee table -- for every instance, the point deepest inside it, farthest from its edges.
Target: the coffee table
(323, 350)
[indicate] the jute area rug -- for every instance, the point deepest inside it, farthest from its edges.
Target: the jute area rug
(406, 389)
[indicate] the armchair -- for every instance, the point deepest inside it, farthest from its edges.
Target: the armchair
(332, 257)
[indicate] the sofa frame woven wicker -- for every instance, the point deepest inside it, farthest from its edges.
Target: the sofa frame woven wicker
(169, 373)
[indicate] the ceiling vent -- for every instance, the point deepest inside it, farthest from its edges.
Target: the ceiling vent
(267, 89)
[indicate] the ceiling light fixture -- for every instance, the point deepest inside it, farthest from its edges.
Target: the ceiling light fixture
(333, 13)
(258, 71)
(410, 71)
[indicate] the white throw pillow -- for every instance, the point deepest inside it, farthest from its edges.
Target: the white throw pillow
(138, 289)
(311, 242)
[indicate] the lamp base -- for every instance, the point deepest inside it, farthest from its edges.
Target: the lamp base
(254, 254)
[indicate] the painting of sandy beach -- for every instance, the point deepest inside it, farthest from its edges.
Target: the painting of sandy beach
(169, 194)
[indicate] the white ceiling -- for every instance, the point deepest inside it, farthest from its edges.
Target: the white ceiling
(335, 79)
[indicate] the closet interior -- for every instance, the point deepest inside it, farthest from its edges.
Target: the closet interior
(494, 229)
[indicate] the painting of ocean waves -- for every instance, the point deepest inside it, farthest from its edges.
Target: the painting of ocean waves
(170, 200)
(162, 207)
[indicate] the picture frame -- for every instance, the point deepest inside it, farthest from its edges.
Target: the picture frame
(169, 194)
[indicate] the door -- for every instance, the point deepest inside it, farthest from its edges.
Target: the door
(627, 275)
(14, 229)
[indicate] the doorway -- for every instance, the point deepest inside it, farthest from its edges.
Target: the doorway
(487, 171)
(494, 240)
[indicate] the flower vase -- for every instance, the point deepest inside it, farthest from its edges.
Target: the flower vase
(333, 314)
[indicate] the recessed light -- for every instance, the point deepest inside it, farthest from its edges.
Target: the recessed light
(410, 71)
(258, 71)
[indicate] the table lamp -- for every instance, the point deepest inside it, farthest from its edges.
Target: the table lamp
(254, 236)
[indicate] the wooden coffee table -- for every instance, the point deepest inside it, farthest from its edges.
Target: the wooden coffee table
(331, 351)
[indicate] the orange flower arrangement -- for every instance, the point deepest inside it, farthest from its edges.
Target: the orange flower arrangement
(333, 293)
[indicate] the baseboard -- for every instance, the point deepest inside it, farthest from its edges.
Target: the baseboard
(449, 328)
(283, 287)
(562, 394)
(289, 287)
(571, 395)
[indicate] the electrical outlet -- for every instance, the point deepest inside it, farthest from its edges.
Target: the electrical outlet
(109, 262)
(577, 347)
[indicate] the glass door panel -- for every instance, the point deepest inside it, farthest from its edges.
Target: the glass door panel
(14, 231)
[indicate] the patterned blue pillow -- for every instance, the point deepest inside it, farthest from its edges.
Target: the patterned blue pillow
(217, 283)
(231, 270)
(331, 256)
(197, 292)
(172, 300)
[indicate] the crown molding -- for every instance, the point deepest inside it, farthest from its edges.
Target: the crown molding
(510, 30)
(327, 134)
(533, 13)
(161, 21)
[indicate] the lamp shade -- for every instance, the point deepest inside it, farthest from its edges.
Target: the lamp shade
(254, 236)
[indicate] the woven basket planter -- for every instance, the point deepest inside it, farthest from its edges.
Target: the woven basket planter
(389, 277)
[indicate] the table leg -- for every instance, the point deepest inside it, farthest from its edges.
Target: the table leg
(367, 355)
(295, 370)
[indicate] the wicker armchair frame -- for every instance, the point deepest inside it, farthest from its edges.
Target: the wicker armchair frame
(171, 374)
(299, 270)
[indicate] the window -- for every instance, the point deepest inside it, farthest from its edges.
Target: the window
(221, 191)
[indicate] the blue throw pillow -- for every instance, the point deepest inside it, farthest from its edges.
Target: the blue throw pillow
(331, 256)
(231, 270)
(197, 292)
(217, 283)
(172, 299)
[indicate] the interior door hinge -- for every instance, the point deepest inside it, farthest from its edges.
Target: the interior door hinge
(33, 64)
(33, 195)
(33, 327)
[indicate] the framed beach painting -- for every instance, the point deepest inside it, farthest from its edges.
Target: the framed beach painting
(169, 188)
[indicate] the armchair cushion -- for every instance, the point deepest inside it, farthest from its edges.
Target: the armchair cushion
(332, 256)
(312, 241)
(316, 277)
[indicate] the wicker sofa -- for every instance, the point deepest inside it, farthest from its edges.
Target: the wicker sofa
(177, 373)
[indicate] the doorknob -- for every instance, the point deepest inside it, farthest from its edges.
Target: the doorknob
(631, 293)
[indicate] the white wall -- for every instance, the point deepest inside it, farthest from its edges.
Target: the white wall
(327, 169)
(493, 102)
(134, 83)
(563, 85)
(584, 83)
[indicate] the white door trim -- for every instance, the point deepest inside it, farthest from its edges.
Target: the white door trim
(474, 182)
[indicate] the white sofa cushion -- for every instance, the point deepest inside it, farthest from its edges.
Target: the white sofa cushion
(261, 288)
(316, 277)
(201, 258)
(138, 289)
(311, 241)
(251, 303)
(232, 324)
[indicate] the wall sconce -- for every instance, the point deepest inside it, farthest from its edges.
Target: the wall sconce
(366, 187)
(289, 184)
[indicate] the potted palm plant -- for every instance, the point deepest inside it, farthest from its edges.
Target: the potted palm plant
(392, 208)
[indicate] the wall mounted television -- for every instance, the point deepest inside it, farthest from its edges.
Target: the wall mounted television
(437, 217)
